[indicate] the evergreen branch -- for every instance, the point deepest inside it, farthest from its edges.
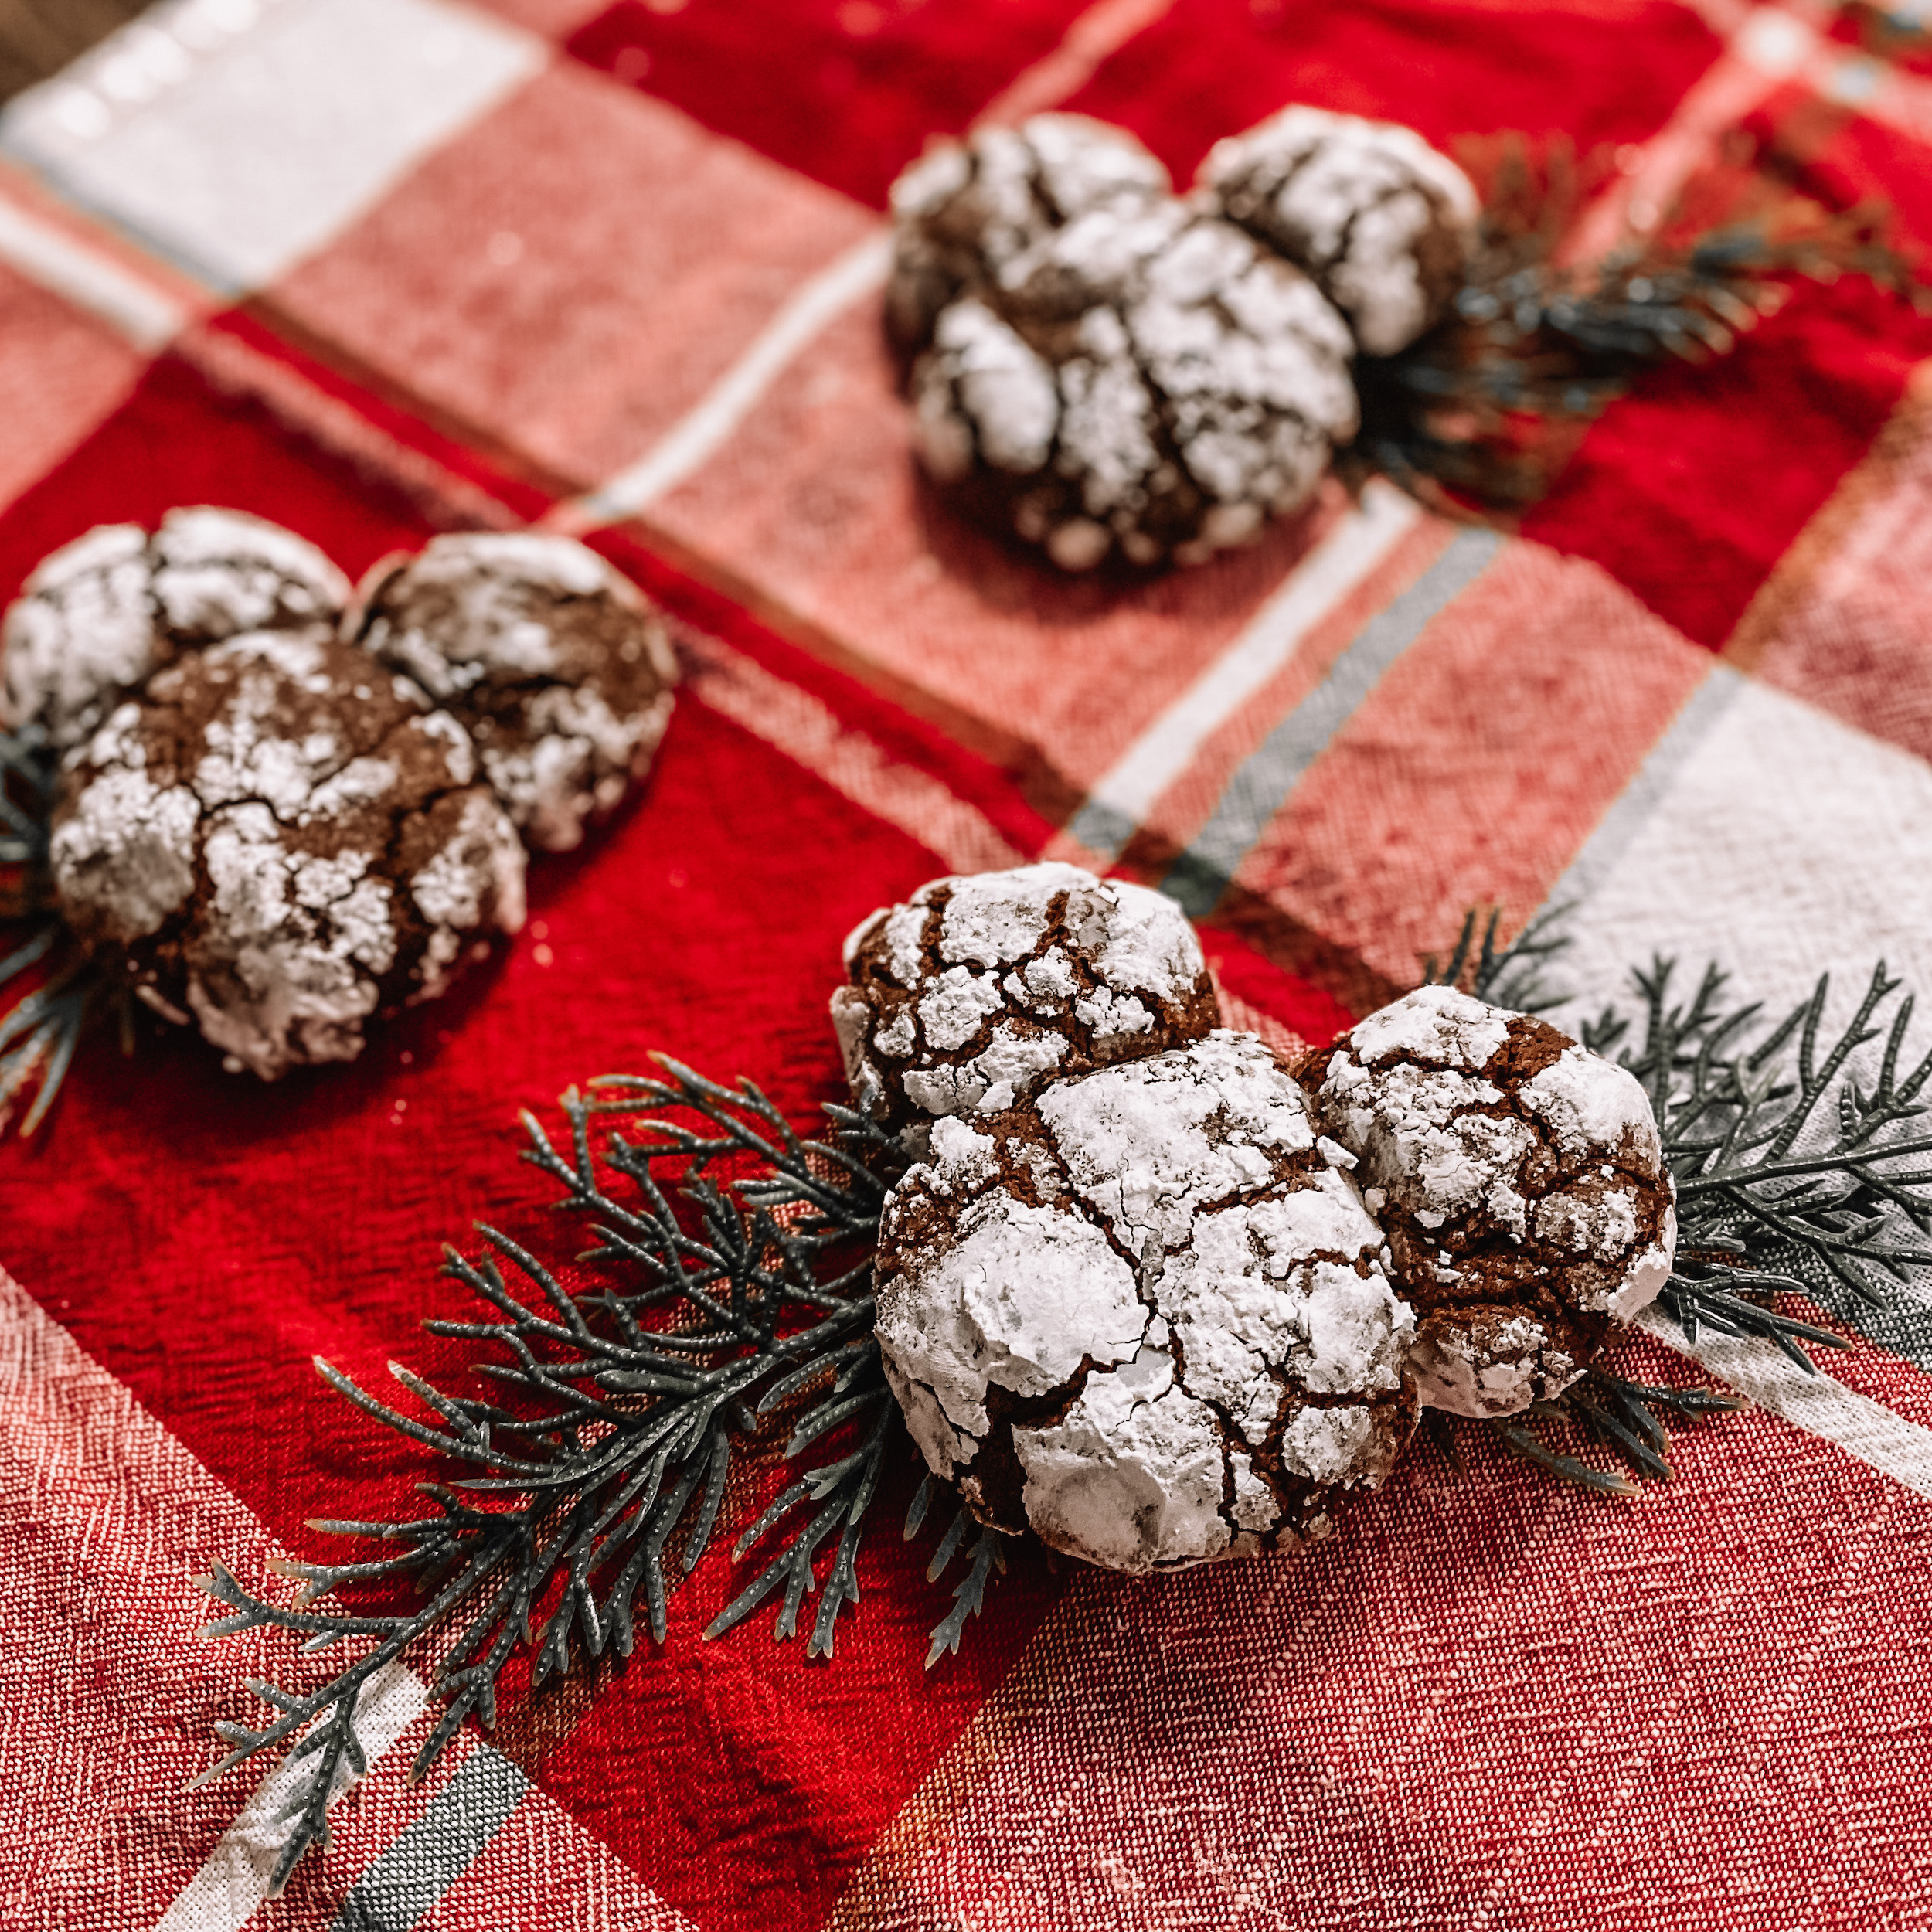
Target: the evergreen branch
(969, 1593)
(1509, 975)
(50, 990)
(733, 1300)
(1486, 407)
(1795, 1151)
(1631, 1419)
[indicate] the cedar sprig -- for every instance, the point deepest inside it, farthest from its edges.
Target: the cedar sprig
(1484, 409)
(48, 988)
(1799, 1166)
(734, 1265)
(987, 1554)
(1793, 1176)
(1511, 975)
(1632, 1420)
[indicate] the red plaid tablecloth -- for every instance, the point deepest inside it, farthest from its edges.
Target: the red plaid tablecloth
(375, 267)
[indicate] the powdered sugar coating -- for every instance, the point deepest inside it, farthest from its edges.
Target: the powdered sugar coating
(1380, 219)
(967, 214)
(1490, 1361)
(101, 614)
(1145, 382)
(1144, 1315)
(554, 662)
(277, 840)
(981, 987)
(1521, 1179)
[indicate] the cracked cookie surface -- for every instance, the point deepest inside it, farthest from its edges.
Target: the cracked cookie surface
(1379, 218)
(973, 213)
(101, 614)
(1522, 1182)
(1157, 387)
(982, 987)
(1145, 1315)
(559, 669)
(277, 839)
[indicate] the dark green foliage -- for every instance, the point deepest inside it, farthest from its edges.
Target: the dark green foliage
(1509, 976)
(988, 1553)
(1483, 410)
(48, 989)
(735, 1298)
(1628, 1418)
(1798, 1167)
(1792, 1176)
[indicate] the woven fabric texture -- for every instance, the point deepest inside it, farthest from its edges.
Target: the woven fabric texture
(375, 268)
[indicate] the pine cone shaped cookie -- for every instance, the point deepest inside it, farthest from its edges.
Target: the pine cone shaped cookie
(1156, 387)
(1522, 1182)
(555, 663)
(981, 987)
(1379, 218)
(102, 614)
(970, 214)
(277, 839)
(1143, 1316)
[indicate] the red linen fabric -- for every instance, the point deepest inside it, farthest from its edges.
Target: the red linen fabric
(1689, 700)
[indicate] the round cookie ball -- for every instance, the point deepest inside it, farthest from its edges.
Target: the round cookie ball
(102, 614)
(1522, 1182)
(277, 839)
(968, 213)
(981, 988)
(560, 670)
(1144, 1314)
(1158, 388)
(1381, 220)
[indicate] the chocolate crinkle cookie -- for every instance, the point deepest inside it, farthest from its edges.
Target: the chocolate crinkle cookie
(279, 838)
(974, 213)
(103, 612)
(981, 987)
(559, 669)
(1157, 387)
(1381, 220)
(1522, 1182)
(1145, 1315)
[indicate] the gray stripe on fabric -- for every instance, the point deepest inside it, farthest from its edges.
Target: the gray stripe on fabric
(1260, 787)
(428, 1857)
(1635, 805)
(1102, 829)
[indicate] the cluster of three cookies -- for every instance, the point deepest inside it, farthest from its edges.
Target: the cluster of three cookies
(1163, 1300)
(1109, 370)
(284, 807)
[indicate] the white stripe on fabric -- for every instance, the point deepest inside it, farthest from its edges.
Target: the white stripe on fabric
(234, 137)
(691, 442)
(1784, 844)
(1094, 36)
(1120, 799)
(135, 310)
(1816, 1403)
(225, 1893)
(1634, 806)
